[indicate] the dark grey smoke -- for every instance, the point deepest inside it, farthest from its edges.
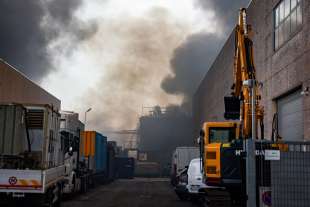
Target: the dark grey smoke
(25, 37)
(193, 58)
(226, 11)
(190, 62)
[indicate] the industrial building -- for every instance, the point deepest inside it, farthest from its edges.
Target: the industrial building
(15, 87)
(161, 132)
(282, 59)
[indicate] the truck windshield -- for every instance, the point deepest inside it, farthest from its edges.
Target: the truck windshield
(221, 135)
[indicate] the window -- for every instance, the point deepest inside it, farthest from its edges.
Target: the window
(287, 20)
(221, 135)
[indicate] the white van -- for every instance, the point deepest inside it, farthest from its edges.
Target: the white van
(195, 181)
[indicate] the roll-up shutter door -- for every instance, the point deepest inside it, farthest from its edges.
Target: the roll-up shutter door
(290, 117)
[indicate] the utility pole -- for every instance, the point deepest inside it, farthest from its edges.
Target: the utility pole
(250, 149)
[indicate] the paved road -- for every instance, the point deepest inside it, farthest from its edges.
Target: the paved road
(139, 192)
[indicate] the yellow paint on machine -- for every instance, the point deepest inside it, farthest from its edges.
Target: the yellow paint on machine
(212, 155)
(87, 145)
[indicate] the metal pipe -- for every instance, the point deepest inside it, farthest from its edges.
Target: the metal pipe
(253, 100)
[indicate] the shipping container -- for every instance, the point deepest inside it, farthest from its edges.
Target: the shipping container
(15, 87)
(125, 167)
(111, 160)
(93, 151)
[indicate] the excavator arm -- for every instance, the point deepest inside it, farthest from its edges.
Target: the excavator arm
(239, 105)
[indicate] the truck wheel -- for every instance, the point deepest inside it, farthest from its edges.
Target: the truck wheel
(205, 202)
(59, 196)
(54, 197)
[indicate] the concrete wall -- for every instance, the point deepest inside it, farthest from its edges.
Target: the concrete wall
(16, 88)
(280, 71)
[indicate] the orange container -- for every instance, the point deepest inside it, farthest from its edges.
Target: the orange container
(87, 144)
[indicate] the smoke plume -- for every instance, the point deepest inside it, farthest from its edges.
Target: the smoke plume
(226, 12)
(193, 57)
(30, 29)
(132, 79)
(189, 64)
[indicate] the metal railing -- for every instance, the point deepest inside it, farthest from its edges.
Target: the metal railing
(284, 182)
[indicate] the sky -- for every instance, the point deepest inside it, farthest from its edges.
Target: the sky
(116, 56)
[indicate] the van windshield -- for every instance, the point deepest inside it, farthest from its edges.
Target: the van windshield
(221, 135)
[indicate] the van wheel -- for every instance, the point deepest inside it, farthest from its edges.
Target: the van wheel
(205, 202)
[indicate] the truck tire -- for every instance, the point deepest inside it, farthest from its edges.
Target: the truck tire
(53, 196)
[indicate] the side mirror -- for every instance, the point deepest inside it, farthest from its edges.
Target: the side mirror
(198, 140)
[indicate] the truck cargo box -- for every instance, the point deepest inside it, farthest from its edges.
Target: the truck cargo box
(182, 157)
(31, 156)
(93, 151)
(29, 137)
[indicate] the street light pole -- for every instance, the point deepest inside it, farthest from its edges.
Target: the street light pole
(88, 110)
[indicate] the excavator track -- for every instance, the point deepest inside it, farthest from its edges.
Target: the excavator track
(217, 198)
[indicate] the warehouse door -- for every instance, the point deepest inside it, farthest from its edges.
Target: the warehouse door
(290, 117)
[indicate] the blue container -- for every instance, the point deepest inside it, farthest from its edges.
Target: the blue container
(101, 152)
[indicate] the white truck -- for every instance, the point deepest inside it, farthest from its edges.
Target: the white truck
(70, 131)
(31, 154)
(181, 158)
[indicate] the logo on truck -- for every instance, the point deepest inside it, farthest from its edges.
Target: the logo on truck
(12, 180)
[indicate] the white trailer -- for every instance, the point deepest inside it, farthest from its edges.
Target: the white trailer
(31, 157)
(181, 158)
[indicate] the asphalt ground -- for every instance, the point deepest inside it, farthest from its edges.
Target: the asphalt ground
(138, 192)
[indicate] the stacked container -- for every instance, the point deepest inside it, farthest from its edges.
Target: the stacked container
(111, 160)
(93, 151)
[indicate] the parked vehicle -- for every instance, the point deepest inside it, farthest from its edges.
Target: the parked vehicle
(70, 131)
(180, 160)
(89, 158)
(93, 150)
(125, 167)
(32, 163)
(194, 173)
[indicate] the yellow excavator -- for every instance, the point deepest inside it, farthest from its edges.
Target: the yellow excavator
(221, 143)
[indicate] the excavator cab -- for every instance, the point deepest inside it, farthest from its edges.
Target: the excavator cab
(220, 146)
